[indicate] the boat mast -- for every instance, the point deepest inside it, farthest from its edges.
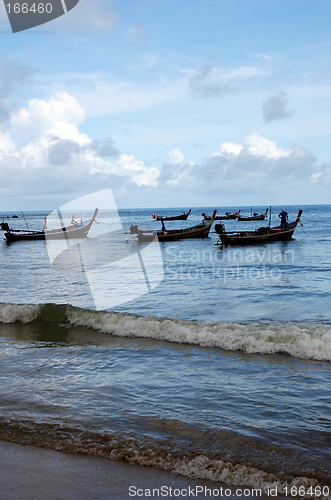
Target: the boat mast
(25, 222)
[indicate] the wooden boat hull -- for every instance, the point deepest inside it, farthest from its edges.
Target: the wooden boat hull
(71, 232)
(253, 217)
(10, 236)
(199, 231)
(251, 238)
(255, 237)
(227, 216)
(174, 217)
(245, 219)
(221, 217)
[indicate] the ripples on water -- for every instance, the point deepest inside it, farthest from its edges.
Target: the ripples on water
(222, 372)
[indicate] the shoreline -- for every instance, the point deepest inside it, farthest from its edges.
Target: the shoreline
(32, 473)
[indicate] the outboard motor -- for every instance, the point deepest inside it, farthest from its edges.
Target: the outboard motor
(134, 229)
(4, 226)
(219, 228)
(263, 230)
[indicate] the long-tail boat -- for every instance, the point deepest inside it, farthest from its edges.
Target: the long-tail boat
(183, 216)
(75, 230)
(227, 216)
(198, 231)
(254, 216)
(261, 235)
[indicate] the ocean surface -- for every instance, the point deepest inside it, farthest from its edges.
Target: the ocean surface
(220, 372)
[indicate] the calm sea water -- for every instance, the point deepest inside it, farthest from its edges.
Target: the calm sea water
(221, 372)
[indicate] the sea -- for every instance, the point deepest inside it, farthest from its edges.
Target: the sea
(219, 370)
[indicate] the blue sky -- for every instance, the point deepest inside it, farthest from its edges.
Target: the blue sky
(191, 103)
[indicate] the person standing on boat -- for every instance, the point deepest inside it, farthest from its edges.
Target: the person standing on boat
(284, 218)
(45, 224)
(163, 226)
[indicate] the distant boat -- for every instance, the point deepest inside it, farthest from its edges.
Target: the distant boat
(254, 216)
(75, 230)
(198, 231)
(261, 235)
(227, 216)
(183, 216)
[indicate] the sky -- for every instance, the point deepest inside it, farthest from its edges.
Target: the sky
(197, 103)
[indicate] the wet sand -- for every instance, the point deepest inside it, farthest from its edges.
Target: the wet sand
(30, 473)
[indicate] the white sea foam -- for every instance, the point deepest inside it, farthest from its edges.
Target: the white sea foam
(203, 467)
(146, 451)
(10, 313)
(300, 340)
(307, 341)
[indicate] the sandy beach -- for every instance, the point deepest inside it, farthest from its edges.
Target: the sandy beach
(31, 473)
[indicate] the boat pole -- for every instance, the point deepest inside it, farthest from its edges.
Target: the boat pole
(270, 217)
(25, 222)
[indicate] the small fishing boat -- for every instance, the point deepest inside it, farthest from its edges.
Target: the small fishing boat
(254, 216)
(262, 235)
(183, 216)
(75, 230)
(198, 231)
(227, 216)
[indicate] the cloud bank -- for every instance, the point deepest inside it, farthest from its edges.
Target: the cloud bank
(258, 167)
(56, 161)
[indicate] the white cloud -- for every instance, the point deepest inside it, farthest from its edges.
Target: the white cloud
(211, 81)
(258, 167)
(43, 123)
(59, 115)
(56, 156)
(256, 145)
(260, 146)
(264, 57)
(178, 171)
(175, 156)
(229, 148)
(178, 175)
(130, 166)
(7, 145)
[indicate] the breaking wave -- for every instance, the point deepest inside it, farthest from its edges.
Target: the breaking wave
(149, 452)
(300, 340)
